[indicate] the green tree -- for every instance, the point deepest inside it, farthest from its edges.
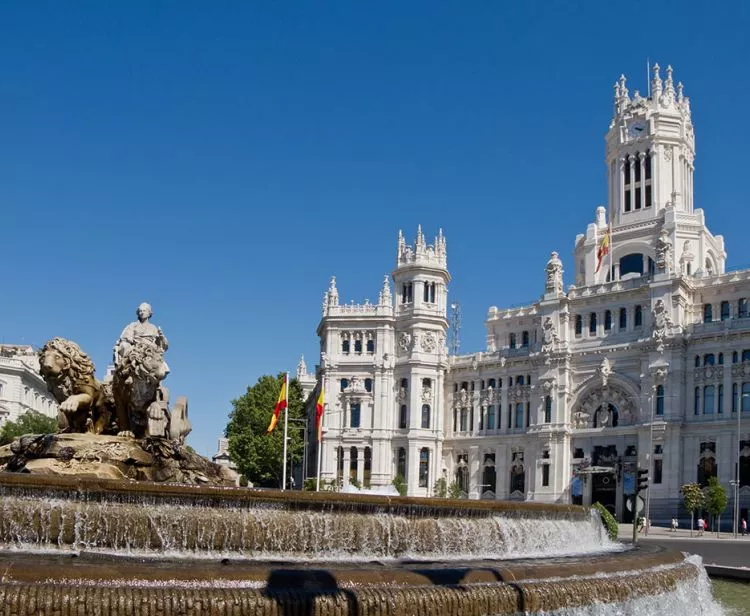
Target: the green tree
(692, 499)
(400, 484)
(440, 489)
(257, 454)
(716, 500)
(30, 422)
(610, 524)
(454, 490)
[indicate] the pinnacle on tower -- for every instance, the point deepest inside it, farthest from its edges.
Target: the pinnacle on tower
(669, 92)
(419, 243)
(623, 88)
(680, 96)
(656, 84)
(301, 367)
(385, 298)
(333, 293)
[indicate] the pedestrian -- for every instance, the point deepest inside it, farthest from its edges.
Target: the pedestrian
(744, 527)
(674, 525)
(701, 524)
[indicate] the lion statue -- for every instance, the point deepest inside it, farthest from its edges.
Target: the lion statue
(69, 374)
(136, 386)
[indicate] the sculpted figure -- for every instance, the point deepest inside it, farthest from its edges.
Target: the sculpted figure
(136, 385)
(140, 331)
(69, 374)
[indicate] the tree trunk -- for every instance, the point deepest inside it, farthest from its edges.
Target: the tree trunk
(692, 517)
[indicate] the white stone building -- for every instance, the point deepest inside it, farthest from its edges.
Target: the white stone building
(21, 387)
(644, 361)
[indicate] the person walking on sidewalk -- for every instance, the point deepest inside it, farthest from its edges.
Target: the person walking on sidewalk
(744, 527)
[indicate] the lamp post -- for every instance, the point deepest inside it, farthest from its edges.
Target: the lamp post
(736, 516)
(304, 445)
(649, 459)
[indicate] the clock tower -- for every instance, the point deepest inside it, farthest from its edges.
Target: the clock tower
(650, 153)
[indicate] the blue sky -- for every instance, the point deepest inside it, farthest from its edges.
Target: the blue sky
(222, 160)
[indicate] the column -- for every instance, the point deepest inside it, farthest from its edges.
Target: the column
(361, 465)
(412, 466)
(501, 472)
(475, 478)
(632, 182)
(655, 178)
(642, 183)
(622, 185)
(502, 419)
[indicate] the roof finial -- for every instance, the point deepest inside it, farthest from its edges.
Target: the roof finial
(419, 244)
(680, 96)
(333, 293)
(669, 93)
(623, 88)
(656, 84)
(384, 298)
(301, 367)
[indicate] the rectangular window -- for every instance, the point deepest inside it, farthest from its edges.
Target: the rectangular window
(637, 168)
(403, 417)
(745, 404)
(355, 412)
(627, 200)
(482, 411)
(344, 384)
(545, 475)
(370, 346)
(708, 400)
(724, 311)
(623, 319)
(721, 399)
(519, 415)
(638, 198)
(424, 466)
(657, 470)
(491, 417)
(512, 341)
(648, 195)
(742, 308)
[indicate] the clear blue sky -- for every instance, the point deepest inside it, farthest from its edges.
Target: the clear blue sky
(222, 159)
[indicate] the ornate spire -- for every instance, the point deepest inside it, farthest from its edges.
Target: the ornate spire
(385, 298)
(333, 293)
(680, 96)
(624, 94)
(656, 85)
(669, 94)
(419, 244)
(301, 367)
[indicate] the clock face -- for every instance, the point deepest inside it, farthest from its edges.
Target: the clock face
(636, 129)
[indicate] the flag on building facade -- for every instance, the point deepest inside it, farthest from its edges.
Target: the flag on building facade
(319, 414)
(602, 250)
(280, 406)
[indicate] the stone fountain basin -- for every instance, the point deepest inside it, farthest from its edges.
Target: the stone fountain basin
(65, 577)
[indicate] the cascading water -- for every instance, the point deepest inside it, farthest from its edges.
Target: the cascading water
(78, 547)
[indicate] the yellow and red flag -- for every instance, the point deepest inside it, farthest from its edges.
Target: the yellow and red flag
(602, 250)
(280, 406)
(319, 414)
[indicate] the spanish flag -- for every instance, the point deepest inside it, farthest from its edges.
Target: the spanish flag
(603, 249)
(319, 414)
(280, 405)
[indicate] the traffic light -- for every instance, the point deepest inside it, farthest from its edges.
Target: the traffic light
(642, 480)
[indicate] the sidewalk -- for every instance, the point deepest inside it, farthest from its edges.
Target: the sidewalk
(625, 533)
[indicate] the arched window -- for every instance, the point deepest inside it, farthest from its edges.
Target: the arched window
(724, 310)
(592, 324)
(344, 384)
(370, 345)
(660, 400)
(697, 361)
(647, 168)
(344, 343)
(623, 325)
(519, 379)
(632, 263)
(424, 467)
(626, 171)
(491, 383)
(368, 384)
(708, 400)
(353, 465)
(368, 468)
(403, 417)
(355, 414)
(735, 357)
(401, 462)
(491, 417)
(464, 419)
(579, 325)
(607, 320)
(426, 416)
(637, 170)
(512, 341)
(721, 359)
(746, 355)
(519, 415)
(709, 359)
(489, 479)
(547, 409)
(638, 316)
(525, 339)
(462, 478)
(708, 313)
(339, 464)
(358, 345)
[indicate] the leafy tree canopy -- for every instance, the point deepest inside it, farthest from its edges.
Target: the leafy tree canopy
(30, 422)
(692, 496)
(716, 497)
(258, 455)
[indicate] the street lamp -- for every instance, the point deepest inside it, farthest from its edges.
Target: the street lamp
(736, 482)
(304, 445)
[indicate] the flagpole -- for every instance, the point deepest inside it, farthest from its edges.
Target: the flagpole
(319, 436)
(286, 429)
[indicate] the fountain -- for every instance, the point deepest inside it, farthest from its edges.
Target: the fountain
(113, 515)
